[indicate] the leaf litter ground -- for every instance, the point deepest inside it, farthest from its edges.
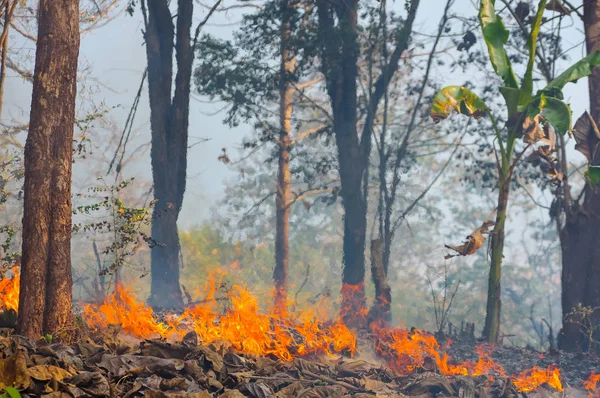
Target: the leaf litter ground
(111, 364)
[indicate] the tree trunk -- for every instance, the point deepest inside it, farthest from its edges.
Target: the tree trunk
(339, 64)
(380, 312)
(579, 236)
(45, 300)
(286, 91)
(491, 330)
(169, 123)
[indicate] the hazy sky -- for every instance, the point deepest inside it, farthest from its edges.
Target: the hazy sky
(118, 59)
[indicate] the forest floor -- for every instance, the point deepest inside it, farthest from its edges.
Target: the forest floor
(112, 364)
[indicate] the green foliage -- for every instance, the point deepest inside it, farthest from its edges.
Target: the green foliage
(592, 175)
(127, 225)
(10, 392)
(496, 36)
(519, 101)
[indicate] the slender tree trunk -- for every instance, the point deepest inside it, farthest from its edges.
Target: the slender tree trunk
(380, 312)
(9, 10)
(286, 91)
(579, 236)
(169, 119)
(45, 300)
(491, 330)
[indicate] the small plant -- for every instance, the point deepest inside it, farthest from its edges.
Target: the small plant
(442, 299)
(47, 338)
(586, 317)
(126, 224)
(532, 118)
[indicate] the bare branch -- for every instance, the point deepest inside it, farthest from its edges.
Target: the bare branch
(306, 133)
(203, 22)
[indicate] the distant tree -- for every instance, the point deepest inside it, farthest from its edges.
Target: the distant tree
(339, 50)
(46, 291)
(243, 73)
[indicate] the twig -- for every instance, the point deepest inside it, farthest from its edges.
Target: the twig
(203, 22)
(332, 381)
(306, 274)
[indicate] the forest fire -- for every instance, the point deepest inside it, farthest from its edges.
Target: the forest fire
(9, 291)
(290, 335)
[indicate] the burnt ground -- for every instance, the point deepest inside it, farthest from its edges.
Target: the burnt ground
(575, 367)
(110, 364)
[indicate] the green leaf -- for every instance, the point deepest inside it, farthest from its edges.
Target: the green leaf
(580, 69)
(12, 392)
(495, 36)
(553, 110)
(456, 99)
(592, 175)
(512, 98)
(527, 85)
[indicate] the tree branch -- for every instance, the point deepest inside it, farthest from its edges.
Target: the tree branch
(306, 133)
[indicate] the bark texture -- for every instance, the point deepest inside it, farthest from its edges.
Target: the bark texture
(282, 201)
(381, 312)
(579, 235)
(169, 119)
(45, 300)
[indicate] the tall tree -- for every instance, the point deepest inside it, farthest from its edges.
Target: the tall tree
(284, 186)
(45, 295)
(340, 52)
(169, 115)
(241, 73)
(579, 234)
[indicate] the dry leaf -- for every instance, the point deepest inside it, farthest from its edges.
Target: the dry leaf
(587, 136)
(353, 368)
(48, 372)
(13, 371)
(533, 130)
(473, 242)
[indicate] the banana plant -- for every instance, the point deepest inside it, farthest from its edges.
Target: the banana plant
(533, 118)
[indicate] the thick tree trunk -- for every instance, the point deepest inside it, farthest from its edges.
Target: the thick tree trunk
(579, 236)
(45, 300)
(286, 91)
(491, 330)
(340, 57)
(169, 123)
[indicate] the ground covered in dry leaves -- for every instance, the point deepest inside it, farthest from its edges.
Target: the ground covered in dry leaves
(114, 365)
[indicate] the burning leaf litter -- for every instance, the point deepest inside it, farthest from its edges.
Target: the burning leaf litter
(241, 352)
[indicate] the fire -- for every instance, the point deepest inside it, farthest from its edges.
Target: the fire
(123, 309)
(243, 325)
(9, 291)
(531, 379)
(591, 385)
(286, 334)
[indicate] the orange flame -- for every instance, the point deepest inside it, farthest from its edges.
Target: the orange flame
(531, 379)
(353, 310)
(591, 385)
(9, 291)
(287, 334)
(122, 308)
